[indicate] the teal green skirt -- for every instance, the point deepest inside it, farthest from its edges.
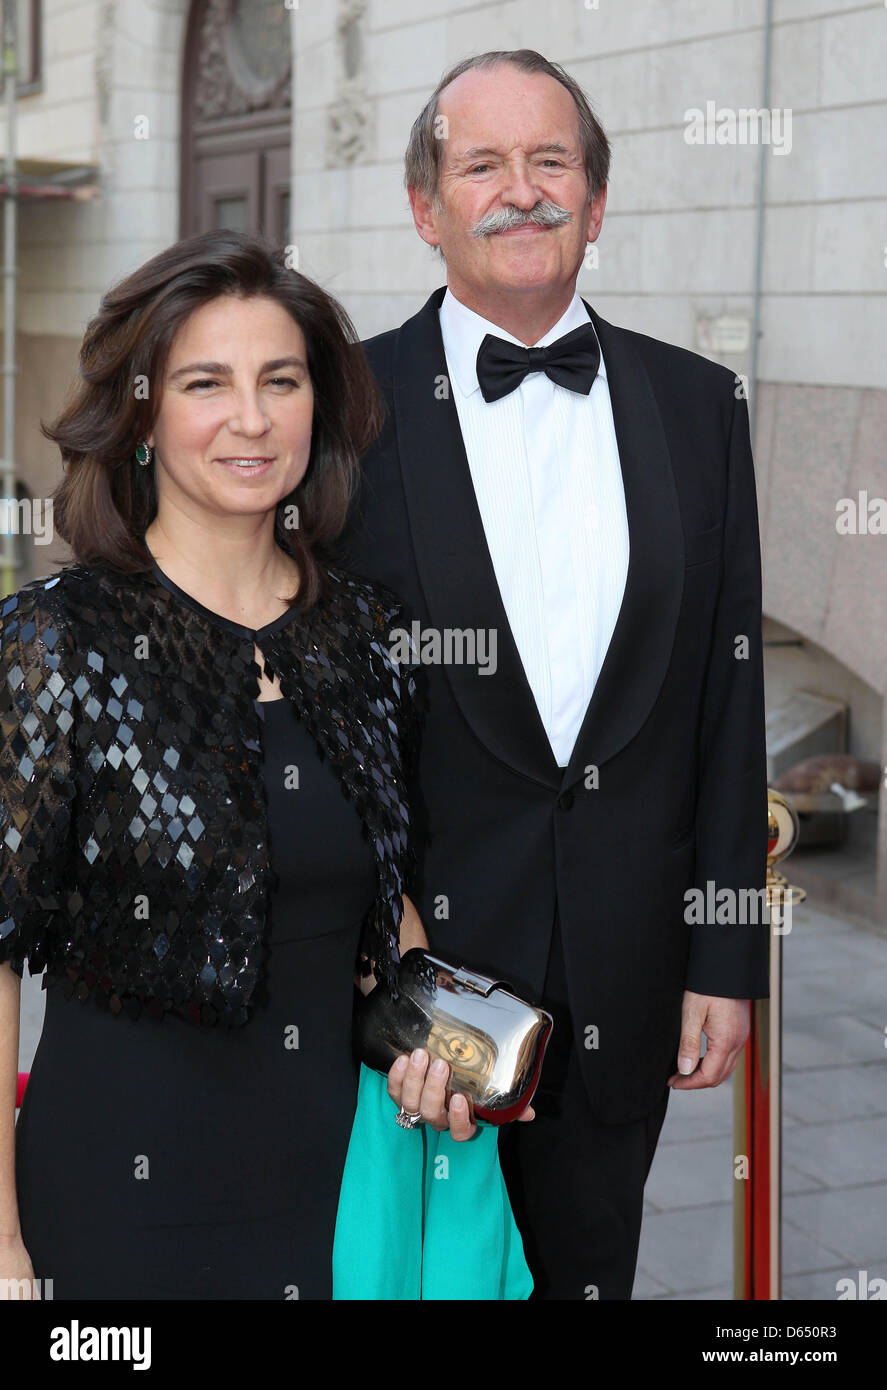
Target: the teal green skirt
(421, 1216)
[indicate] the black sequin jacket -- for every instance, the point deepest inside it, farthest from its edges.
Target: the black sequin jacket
(134, 865)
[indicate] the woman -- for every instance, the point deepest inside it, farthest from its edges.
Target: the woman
(182, 709)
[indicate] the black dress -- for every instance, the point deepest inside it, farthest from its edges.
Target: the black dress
(160, 1160)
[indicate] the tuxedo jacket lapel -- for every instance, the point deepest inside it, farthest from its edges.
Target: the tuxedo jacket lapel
(455, 568)
(638, 655)
(459, 582)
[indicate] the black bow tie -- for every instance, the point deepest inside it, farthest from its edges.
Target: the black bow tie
(571, 361)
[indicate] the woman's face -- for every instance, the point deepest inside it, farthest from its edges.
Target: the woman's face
(236, 388)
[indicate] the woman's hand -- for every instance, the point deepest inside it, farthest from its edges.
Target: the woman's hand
(15, 1269)
(421, 1089)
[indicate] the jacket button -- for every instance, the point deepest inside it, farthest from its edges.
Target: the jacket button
(565, 800)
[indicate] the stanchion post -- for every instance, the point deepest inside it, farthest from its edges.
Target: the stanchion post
(757, 1092)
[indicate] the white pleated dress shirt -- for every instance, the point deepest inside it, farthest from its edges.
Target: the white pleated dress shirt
(545, 467)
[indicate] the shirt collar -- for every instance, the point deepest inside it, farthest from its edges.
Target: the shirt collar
(463, 331)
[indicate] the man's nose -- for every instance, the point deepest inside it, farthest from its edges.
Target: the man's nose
(521, 187)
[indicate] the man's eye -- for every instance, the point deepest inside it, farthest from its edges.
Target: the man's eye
(206, 381)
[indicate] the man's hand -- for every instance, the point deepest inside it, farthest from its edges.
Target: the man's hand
(725, 1023)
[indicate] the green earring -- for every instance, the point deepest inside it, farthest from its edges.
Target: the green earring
(144, 454)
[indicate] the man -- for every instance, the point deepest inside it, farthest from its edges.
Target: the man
(587, 514)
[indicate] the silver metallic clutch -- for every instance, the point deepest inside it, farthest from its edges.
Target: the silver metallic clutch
(494, 1042)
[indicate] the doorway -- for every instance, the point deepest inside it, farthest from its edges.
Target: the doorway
(236, 105)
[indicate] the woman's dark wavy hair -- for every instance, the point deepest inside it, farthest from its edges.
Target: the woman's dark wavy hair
(106, 499)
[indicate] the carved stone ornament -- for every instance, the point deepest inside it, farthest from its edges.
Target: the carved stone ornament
(243, 58)
(349, 129)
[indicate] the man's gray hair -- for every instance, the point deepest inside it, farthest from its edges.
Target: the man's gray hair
(424, 152)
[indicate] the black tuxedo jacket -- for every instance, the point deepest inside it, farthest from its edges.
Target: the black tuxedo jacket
(666, 786)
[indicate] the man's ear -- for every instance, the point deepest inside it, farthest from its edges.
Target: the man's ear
(596, 209)
(423, 216)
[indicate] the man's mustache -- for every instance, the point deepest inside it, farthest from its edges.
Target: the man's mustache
(544, 214)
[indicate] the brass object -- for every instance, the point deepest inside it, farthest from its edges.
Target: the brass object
(783, 829)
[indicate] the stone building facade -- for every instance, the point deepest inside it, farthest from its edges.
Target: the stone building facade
(174, 115)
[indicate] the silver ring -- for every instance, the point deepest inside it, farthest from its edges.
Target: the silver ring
(408, 1121)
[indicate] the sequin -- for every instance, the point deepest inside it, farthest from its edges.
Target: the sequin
(134, 868)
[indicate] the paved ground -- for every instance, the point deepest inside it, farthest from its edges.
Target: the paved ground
(834, 1134)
